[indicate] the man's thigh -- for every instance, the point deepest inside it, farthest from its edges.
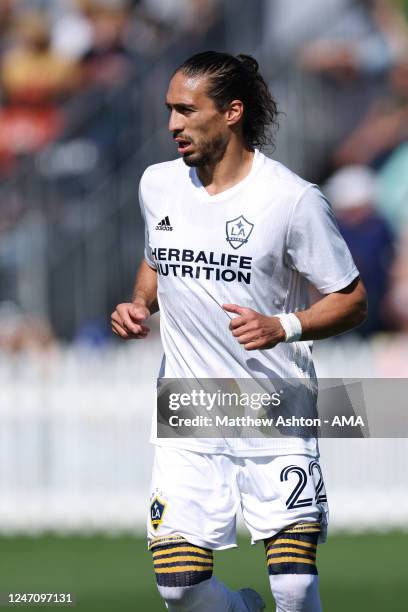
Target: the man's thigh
(277, 492)
(193, 495)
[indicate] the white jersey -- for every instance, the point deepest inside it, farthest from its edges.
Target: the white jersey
(259, 244)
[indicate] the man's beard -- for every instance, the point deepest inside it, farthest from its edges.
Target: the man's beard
(211, 152)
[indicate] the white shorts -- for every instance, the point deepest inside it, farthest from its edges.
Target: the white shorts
(197, 496)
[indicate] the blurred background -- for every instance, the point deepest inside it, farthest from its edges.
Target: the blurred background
(82, 86)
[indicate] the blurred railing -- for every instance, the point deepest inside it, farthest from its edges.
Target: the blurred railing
(74, 454)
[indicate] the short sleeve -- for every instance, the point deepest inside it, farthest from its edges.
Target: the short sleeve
(147, 249)
(315, 247)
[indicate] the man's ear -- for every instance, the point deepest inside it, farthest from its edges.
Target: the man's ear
(234, 112)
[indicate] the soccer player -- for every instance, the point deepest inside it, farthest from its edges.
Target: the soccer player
(234, 240)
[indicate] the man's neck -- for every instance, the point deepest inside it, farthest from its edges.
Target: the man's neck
(230, 170)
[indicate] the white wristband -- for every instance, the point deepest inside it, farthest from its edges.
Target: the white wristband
(291, 325)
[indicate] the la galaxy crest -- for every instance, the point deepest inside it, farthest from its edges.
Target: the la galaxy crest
(157, 510)
(238, 231)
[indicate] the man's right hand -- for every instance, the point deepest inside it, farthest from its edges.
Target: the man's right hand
(127, 321)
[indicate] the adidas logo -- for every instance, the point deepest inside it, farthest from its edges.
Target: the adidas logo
(164, 224)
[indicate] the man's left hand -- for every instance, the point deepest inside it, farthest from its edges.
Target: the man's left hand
(254, 330)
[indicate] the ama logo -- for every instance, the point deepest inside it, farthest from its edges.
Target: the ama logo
(238, 231)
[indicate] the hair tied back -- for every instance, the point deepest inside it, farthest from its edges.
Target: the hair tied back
(248, 63)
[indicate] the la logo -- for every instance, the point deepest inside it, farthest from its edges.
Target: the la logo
(238, 231)
(157, 510)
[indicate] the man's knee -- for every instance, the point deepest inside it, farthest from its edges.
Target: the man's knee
(184, 599)
(291, 559)
(296, 592)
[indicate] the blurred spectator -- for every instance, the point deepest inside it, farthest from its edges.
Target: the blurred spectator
(146, 35)
(386, 123)
(6, 15)
(34, 79)
(93, 334)
(356, 44)
(393, 188)
(397, 303)
(392, 20)
(383, 128)
(108, 61)
(189, 16)
(346, 60)
(20, 332)
(72, 31)
(32, 72)
(352, 192)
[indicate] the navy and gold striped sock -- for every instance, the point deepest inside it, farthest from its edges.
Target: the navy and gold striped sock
(293, 550)
(178, 563)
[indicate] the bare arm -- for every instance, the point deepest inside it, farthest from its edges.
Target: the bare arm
(145, 289)
(128, 318)
(336, 313)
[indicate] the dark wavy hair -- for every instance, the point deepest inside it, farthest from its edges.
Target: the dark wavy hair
(237, 78)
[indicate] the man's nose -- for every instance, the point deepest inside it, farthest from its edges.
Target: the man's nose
(176, 122)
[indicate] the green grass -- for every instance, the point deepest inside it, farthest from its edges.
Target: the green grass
(357, 573)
